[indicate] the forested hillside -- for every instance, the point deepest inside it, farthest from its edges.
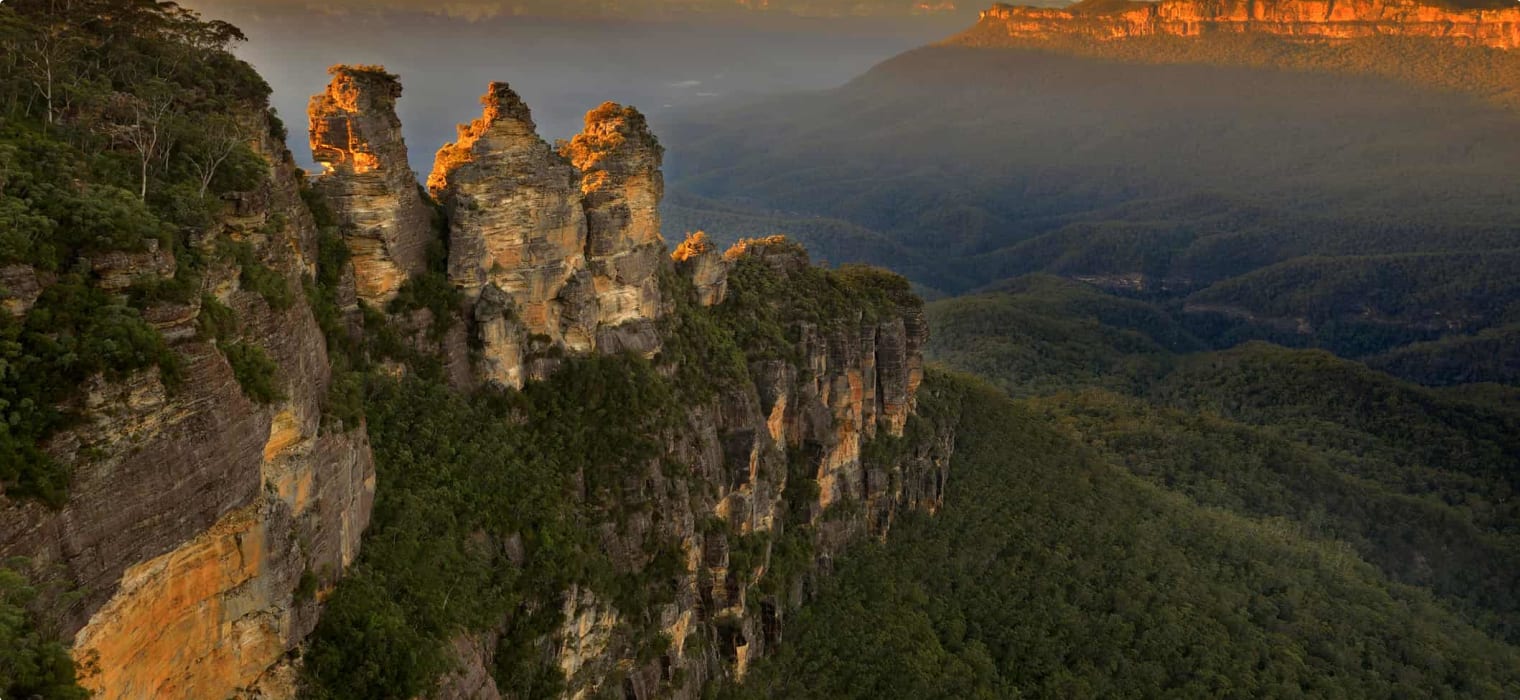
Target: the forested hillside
(1417, 481)
(122, 125)
(266, 434)
(1214, 177)
(1119, 568)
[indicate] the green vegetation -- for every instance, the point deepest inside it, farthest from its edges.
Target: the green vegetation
(258, 278)
(121, 125)
(431, 290)
(488, 505)
(1042, 334)
(1490, 356)
(1417, 482)
(32, 663)
(458, 479)
(75, 332)
(255, 372)
(1254, 190)
(1055, 571)
(774, 294)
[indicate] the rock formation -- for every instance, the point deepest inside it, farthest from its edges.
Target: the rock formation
(203, 529)
(573, 250)
(621, 185)
(1298, 20)
(356, 136)
(199, 524)
(754, 453)
(698, 259)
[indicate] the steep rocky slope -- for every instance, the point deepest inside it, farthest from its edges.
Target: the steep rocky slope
(195, 513)
(215, 501)
(788, 432)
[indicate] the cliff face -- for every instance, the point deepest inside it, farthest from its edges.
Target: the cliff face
(204, 528)
(356, 136)
(812, 450)
(194, 514)
(812, 446)
(698, 259)
(1302, 20)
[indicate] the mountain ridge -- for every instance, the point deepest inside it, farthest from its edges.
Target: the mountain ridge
(1109, 20)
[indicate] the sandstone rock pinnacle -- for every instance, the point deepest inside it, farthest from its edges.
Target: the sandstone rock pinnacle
(619, 161)
(516, 221)
(356, 136)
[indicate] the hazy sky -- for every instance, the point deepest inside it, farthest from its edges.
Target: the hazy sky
(485, 9)
(561, 66)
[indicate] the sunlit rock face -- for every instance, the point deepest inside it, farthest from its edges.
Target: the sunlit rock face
(699, 260)
(620, 181)
(201, 527)
(516, 222)
(1306, 20)
(356, 136)
(569, 241)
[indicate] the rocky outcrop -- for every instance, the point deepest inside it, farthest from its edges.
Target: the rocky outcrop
(571, 248)
(200, 525)
(516, 222)
(356, 136)
(809, 450)
(1297, 20)
(621, 186)
(699, 260)
(20, 285)
(202, 528)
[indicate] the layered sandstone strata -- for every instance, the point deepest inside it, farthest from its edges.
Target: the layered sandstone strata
(561, 248)
(516, 221)
(1307, 20)
(201, 527)
(356, 136)
(621, 186)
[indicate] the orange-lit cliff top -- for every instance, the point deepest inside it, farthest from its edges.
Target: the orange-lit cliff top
(1495, 25)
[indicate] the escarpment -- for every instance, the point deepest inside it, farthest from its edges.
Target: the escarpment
(201, 522)
(218, 502)
(1396, 40)
(793, 432)
(356, 136)
(796, 435)
(1299, 20)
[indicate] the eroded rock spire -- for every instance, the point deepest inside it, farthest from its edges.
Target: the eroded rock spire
(564, 244)
(356, 136)
(619, 161)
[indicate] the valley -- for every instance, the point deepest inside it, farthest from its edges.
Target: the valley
(1112, 350)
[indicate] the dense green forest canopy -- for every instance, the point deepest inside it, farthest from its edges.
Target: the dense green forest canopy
(1059, 570)
(121, 125)
(1419, 482)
